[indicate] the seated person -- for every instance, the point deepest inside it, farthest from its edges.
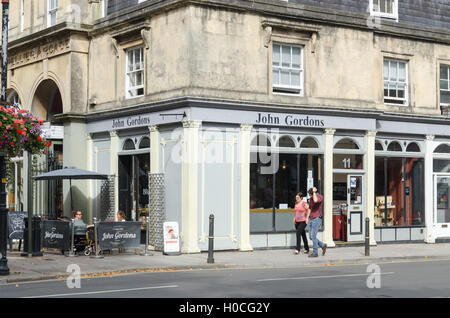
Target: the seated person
(80, 227)
(121, 216)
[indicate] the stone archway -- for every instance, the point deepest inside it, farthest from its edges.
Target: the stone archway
(47, 101)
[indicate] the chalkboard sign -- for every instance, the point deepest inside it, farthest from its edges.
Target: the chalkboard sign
(119, 235)
(56, 234)
(16, 224)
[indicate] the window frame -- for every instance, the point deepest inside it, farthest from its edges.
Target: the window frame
(448, 83)
(288, 89)
(393, 15)
(127, 72)
(406, 98)
(52, 11)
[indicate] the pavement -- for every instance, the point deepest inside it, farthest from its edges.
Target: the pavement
(54, 265)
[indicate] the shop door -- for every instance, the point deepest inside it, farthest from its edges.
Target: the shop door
(355, 212)
(442, 205)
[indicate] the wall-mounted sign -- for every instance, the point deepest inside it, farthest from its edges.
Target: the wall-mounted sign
(52, 131)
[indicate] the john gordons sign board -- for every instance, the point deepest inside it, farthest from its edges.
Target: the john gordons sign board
(119, 235)
(289, 120)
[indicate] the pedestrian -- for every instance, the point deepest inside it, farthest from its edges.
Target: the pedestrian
(315, 221)
(121, 216)
(301, 216)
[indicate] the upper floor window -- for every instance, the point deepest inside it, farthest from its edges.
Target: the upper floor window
(22, 14)
(444, 84)
(384, 8)
(52, 8)
(287, 69)
(395, 82)
(135, 72)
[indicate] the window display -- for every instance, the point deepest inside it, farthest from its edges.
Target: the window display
(399, 191)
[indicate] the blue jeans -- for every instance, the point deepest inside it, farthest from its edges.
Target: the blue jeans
(314, 226)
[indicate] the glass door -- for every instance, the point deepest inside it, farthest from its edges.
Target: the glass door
(442, 205)
(355, 212)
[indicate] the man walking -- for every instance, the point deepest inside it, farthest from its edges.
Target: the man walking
(315, 220)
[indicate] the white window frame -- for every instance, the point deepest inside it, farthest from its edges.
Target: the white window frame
(406, 83)
(448, 83)
(22, 15)
(51, 11)
(130, 72)
(104, 8)
(279, 89)
(393, 15)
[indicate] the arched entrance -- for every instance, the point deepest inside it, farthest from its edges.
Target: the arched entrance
(46, 103)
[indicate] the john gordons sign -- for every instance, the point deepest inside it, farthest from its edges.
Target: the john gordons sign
(119, 235)
(289, 120)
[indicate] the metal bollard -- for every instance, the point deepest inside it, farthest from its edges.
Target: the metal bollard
(211, 239)
(96, 240)
(367, 238)
(71, 253)
(147, 227)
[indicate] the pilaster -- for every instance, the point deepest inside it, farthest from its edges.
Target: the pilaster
(370, 183)
(244, 185)
(189, 180)
(328, 188)
(428, 191)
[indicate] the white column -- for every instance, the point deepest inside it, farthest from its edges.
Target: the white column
(154, 149)
(429, 199)
(189, 180)
(114, 168)
(327, 237)
(90, 167)
(244, 149)
(370, 183)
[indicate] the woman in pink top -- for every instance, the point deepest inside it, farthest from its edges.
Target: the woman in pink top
(301, 217)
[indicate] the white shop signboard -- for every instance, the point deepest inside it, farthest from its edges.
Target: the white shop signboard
(171, 238)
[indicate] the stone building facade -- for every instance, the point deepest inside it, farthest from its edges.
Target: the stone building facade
(242, 104)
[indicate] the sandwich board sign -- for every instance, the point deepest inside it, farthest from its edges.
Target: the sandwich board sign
(171, 238)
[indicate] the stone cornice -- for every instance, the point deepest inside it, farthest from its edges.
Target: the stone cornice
(57, 31)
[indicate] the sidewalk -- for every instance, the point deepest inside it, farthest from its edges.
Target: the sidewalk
(53, 265)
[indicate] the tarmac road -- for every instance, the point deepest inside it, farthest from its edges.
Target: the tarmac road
(427, 278)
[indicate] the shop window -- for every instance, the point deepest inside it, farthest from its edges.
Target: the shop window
(378, 146)
(309, 142)
(441, 165)
(413, 147)
(399, 191)
(272, 196)
(394, 146)
(286, 141)
(145, 143)
(129, 145)
(346, 143)
(444, 148)
(261, 140)
(287, 69)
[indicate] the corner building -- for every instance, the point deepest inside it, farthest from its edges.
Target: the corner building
(240, 105)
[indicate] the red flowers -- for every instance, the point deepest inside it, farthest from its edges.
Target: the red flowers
(39, 138)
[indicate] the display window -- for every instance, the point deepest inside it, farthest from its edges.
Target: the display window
(399, 191)
(273, 187)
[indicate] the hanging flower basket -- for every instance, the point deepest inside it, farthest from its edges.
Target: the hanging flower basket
(20, 131)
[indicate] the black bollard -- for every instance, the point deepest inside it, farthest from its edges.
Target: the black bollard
(211, 240)
(367, 237)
